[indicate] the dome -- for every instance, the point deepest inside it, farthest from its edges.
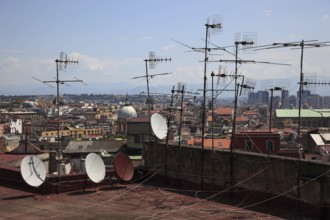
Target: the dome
(28, 104)
(127, 112)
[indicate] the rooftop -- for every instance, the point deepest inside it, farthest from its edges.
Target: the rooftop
(131, 201)
(305, 113)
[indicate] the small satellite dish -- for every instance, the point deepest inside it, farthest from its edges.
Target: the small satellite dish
(95, 167)
(33, 170)
(158, 125)
(123, 166)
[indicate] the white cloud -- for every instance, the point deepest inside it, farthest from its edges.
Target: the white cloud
(324, 17)
(292, 36)
(95, 69)
(168, 47)
(267, 12)
(146, 38)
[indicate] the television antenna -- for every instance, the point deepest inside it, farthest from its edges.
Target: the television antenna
(248, 40)
(248, 84)
(61, 64)
(222, 73)
(298, 45)
(152, 61)
(283, 83)
(247, 43)
(266, 84)
(310, 82)
(271, 83)
(215, 26)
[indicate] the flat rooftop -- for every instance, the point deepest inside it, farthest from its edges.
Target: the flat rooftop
(128, 201)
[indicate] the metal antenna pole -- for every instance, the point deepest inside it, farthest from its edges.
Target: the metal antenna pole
(235, 98)
(58, 128)
(215, 26)
(300, 94)
(212, 129)
(167, 136)
(204, 103)
(233, 136)
(180, 127)
(59, 62)
(58, 82)
(153, 60)
(148, 92)
(233, 132)
(303, 44)
(181, 112)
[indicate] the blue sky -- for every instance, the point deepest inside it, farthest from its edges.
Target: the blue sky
(112, 38)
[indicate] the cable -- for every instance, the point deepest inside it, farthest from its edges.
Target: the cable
(203, 200)
(283, 193)
(97, 204)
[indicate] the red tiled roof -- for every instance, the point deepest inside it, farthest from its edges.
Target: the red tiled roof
(242, 118)
(219, 143)
(6, 158)
(224, 111)
(250, 113)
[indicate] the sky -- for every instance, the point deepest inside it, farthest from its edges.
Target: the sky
(111, 39)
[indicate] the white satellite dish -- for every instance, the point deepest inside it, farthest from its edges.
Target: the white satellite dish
(33, 170)
(95, 167)
(158, 125)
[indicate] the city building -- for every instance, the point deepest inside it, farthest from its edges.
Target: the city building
(259, 142)
(310, 118)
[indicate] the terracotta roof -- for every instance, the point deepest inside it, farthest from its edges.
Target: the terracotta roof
(250, 113)
(242, 118)
(224, 111)
(9, 158)
(219, 143)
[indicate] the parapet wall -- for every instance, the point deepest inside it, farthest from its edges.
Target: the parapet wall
(306, 181)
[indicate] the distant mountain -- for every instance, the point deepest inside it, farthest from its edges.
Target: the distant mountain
(130, 88)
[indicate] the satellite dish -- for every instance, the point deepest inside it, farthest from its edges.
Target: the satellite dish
(158, 126)
(95, 167)
(33, 170)
(123, 166)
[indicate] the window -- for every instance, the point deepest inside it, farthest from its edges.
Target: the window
(248, 146)
(136, 139)
(270, 145)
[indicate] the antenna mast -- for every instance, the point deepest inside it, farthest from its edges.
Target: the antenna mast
(61, 64)
(294, 45)
(216, 26)
(152, 61)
